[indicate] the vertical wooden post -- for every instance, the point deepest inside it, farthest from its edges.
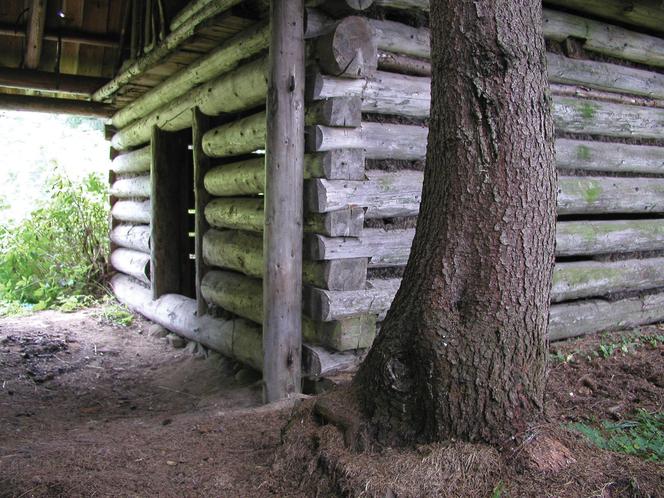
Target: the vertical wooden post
(282, 287)
(35, 37)
(201, 124)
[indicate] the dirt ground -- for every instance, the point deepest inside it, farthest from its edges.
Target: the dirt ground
(91, 409)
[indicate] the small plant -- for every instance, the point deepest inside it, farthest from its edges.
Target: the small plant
(642, 437)
(560, 357)
(115, 314)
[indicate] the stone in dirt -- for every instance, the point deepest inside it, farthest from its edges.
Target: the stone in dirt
(157, 331)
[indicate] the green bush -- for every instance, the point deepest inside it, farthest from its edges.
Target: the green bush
(56, 258)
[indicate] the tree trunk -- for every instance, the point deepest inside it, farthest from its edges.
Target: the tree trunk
(462, 351)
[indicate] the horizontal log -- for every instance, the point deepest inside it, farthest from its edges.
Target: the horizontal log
(242, 296)
(248, 177)
(402, 39)
(604, 76)
(137, 186)
(135, 161)
(221, 60)
(604, 38)
(594, 315)
(644, 13)
(399, 63)
(18, 30)
(49, 82)
(235, 91)
(595, 279)
(573, 238)
(383, 194)
(243, 252)
(570, 281)
(186, 12)
(607, 156)
(379, 140)
(244, 213)
(404, 4)
(239, 137)
(133, 263)
(166, 47)
(600, 195)
(132, 211)
(234, 292)
(236, 338)
(600, 95)
(136, 237)
(53, 105)
(589, 117)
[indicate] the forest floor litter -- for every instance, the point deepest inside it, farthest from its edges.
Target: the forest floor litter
(88, 408)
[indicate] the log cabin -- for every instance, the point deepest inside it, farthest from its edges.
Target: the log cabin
(267, 161)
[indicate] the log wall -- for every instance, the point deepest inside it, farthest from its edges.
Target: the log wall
(367, 101)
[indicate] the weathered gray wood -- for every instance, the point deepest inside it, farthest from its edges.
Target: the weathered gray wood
(594, 315)
(379, 140)
(234, 292)
(239, 137)
(236, 338)
(592, 278)
(344, 222)
(136, 161)
(167, 46)
(607, 156)
(170, 224)
(402, 39)
(243, 213)
(383, 93)
(324, 305)
(187, 11)
(132, 211)
(136, 186)
(221, 60)
(343, 164)
(349, 49)
(597, 195)
(35, 37)
(404, 4)
(136, 237)
(608, 237)
(575, 115)
(399, 63)
(237, 90)
(284, 172)
(52, 105)
(604, 76)
(341, 335)
(200, 125)
(343, 111)
(642, 13)
(582, 92)
(604, 38)
(133, 263)
(320, 359)
(243, 252)
(383, 194)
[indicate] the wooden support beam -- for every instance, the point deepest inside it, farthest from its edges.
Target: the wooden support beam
(135, 186)
(136, 237)
(54, 106)
(284, 172)
(187, 11)
(169, 216)
(65, 36)
(133, 263)
(135, 161)
(49, 82)
(35, 35)
(221, 60)
(242, 251)
(201, 124)
(167, 46)
(238, 90)
(132, 211)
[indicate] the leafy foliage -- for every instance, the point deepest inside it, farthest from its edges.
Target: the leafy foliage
(643, 436)
(57, 256)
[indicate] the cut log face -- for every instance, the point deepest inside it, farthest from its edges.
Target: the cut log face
(349, 50)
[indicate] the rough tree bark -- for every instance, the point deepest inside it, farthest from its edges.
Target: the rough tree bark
(461, 353)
